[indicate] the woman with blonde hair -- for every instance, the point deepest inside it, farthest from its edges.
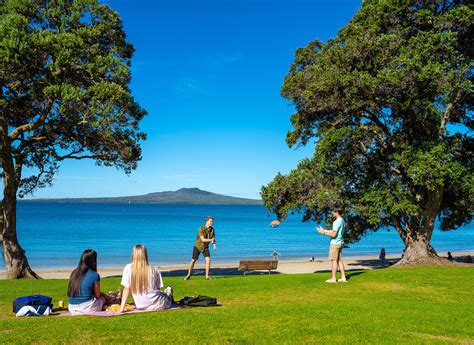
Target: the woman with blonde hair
(144, 282)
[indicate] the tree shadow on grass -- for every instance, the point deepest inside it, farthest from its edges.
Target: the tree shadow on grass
(232, 271)
(460, 259)
(372, 263)
(349, 272)
(357, 267)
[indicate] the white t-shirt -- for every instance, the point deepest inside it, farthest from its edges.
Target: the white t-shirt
(153, 294)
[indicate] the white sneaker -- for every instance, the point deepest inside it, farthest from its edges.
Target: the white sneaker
(342, 280)
(331, 281)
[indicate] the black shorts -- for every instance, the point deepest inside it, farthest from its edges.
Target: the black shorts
(196, 253)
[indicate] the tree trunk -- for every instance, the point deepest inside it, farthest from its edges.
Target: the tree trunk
(14, 256)
(418, 250)
(417, 234)
(1, 222)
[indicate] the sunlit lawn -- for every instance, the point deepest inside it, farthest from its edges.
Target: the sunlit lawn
(419, 305)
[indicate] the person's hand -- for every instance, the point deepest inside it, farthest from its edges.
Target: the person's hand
(320, 230)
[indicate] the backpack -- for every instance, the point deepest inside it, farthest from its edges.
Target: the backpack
(198, 301)
(33, 301)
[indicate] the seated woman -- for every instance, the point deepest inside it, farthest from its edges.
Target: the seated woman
(144, 281)
(84, 286)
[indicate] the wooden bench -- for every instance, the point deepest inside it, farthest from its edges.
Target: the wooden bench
(258, 265)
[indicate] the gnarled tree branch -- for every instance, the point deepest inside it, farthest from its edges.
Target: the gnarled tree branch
(447, 114)
(31, 126)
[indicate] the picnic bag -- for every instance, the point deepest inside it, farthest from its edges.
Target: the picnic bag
(33, 301)
(39, 310)
(198, 301)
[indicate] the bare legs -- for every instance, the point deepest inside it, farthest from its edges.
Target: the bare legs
(335, 264)
(342, 268)
(333, 269)
(191, 267)
(208, 265)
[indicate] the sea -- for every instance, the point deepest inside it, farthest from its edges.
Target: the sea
(55, 234)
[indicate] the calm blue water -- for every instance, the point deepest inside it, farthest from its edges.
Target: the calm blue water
(54, 235)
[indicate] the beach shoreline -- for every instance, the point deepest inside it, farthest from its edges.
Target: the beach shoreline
(358, 262)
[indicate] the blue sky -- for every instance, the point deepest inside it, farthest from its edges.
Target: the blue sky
(209, 73)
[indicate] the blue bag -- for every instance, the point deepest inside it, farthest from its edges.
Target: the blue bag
(34, 301)
(39, 310)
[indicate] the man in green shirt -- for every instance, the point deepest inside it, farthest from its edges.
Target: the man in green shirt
(205, 236)
(335, 245)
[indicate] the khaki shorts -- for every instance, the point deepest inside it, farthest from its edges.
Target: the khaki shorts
(335, 251)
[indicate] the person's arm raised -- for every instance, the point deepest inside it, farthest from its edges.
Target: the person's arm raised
(330, 233)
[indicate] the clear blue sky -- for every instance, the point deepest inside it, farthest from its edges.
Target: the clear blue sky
(209, 73)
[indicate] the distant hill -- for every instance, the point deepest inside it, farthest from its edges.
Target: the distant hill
(185, 196)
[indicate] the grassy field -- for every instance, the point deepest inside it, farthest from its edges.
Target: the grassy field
(419, 305)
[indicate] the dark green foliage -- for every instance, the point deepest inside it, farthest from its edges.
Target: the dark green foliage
(64, 75)
(388, 103)
(64, 94)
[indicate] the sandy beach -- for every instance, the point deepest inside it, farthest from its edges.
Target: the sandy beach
(362, 262)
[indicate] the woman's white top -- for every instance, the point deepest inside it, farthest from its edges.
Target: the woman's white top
(153, 295)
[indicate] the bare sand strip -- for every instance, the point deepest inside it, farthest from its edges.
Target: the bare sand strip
(366, 262)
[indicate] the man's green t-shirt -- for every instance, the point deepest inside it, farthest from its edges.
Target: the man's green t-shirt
(206, 233)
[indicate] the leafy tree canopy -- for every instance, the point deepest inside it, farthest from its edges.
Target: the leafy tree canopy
(388, 103)
(64, 75)
(64, 94)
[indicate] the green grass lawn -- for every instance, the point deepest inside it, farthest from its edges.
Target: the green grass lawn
(419, 305)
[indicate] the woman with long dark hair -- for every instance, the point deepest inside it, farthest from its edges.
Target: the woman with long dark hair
(84, 286)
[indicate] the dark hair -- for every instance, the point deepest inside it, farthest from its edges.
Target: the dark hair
(88, 261)
(209, 217)
(337, 210)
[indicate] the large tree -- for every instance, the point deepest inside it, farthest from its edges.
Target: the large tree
(388, 104)
(64, 94)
